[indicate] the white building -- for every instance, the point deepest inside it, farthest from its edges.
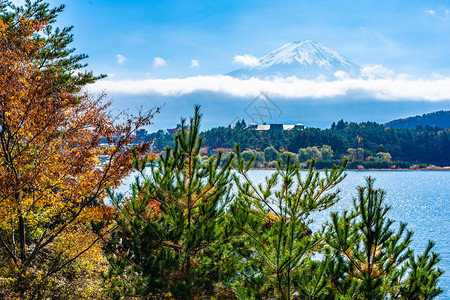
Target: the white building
(264, 127)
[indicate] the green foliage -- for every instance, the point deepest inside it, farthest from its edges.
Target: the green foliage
(368, 260)
(247, 155)
(439, 119)
(308, 153)
(274, 220)
(327, 152)
(356, 154)
(402, 164)
(271, 154)
(57, 52)
(376, 164)
(173, 231)
(384, 156)
(422, 278)
(328, 164)
(292, 156)
(413, 146)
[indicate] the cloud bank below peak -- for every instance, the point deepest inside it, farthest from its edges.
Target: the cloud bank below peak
(393, 88)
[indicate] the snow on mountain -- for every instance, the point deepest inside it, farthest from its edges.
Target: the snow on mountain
(303, 59)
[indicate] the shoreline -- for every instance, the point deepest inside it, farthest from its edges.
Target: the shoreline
(367, 170)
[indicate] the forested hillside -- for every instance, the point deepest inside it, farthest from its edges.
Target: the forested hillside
(439, 119)
(361, 140)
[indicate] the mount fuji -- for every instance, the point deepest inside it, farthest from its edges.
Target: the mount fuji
(303, 59)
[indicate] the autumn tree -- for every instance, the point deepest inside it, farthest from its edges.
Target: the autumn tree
(53, 49)
(59, 149)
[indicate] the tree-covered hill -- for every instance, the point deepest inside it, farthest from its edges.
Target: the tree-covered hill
(414, 146)
(363, 141)
(439, 119)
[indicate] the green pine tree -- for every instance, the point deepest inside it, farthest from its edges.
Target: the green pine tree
(173, 235)
(369, 260)
(274, 220)
(57, 53)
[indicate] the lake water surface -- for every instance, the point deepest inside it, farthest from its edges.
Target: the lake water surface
(419, 198)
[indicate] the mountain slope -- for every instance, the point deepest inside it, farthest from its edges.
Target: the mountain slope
(303, 59)
(440, 119)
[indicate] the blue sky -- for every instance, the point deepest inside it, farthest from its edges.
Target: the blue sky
(176, 53)
(407, 36)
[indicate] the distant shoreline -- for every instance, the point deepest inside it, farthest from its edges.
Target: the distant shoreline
(367, 170)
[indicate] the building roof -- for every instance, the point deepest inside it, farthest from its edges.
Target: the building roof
(264, 127)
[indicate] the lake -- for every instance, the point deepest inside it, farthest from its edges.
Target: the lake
(419, 198)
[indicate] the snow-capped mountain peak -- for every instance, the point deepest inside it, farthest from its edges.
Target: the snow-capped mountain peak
(303, 59)
(304, 52)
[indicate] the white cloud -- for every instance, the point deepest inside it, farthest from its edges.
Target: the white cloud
(376, 72)
(121, 59)
(247, 60)
(443, 14)
(159, 62)
(194, 63)
(398, 88)
(341, 75)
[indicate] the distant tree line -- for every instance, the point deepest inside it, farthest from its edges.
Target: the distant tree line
(359, 141)
(435, 119)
